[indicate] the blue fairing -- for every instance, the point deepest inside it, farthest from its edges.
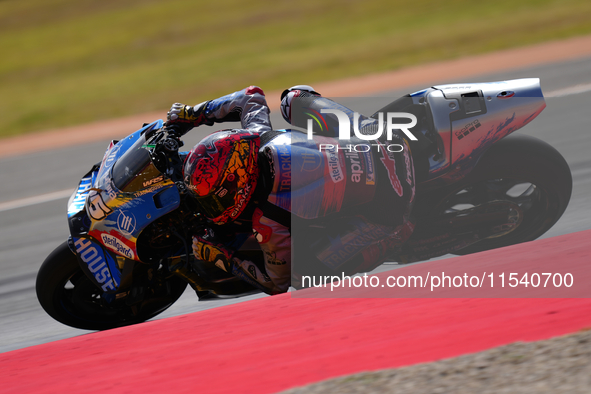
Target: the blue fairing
(95, 241)
(123, 146)
(99, 263)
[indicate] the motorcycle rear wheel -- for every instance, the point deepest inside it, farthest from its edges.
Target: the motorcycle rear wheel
(521, 169)
(67, 295)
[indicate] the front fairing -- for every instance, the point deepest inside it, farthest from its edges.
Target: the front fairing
(99, 264)
(116, 202)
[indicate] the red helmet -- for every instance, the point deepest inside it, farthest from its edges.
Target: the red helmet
(222, 172)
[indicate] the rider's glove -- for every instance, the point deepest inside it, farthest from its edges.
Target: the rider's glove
(185, 114)
(206, 248)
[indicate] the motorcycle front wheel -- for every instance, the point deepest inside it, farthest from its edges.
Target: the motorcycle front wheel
(520, 169)
(67, 295)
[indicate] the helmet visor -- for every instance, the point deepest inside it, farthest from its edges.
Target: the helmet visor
(214, 205)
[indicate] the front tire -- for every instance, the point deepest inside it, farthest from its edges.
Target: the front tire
(67, 295)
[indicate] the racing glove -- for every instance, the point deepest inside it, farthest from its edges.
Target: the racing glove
(206, 248)
(187, 115)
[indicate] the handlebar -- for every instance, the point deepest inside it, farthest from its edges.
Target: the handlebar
(165, 154)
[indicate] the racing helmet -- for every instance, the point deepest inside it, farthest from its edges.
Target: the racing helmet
(222, 172)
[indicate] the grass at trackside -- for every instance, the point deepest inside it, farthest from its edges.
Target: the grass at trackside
(73, 61)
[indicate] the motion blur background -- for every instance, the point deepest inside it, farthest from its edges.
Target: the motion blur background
(67, 62)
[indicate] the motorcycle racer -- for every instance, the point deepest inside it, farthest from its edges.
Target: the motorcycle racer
(254, 175)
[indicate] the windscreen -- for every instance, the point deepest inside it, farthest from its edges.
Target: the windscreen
(134, 170)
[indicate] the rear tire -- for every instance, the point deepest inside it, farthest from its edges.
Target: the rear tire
(518, 168)
(67, 295)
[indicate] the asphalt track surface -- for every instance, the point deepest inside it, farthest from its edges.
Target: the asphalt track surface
(294, 340)
(34, 188)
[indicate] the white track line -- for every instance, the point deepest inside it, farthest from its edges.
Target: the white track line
(25, 202)
(576, 89)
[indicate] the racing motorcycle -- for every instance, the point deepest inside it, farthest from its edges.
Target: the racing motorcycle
(131, 219)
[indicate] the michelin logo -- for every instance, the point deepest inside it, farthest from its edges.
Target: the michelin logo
(116, 245)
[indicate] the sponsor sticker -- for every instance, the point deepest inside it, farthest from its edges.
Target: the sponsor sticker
(149, 190)
(117, 246)
(470, 127)
(110, 156)
(355, 165)
(370, 175)
(284, 155)
(309, 160)
(96, 207)
(152, 181)
(126, 223)
(110, 191)
(334, 164)
(95, 260)
(79, 200)
(243, 199)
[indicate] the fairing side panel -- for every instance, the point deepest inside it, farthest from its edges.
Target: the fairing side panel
(106, 222)
(471, 117)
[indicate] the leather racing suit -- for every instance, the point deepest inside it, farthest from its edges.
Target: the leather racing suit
(300, 182)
